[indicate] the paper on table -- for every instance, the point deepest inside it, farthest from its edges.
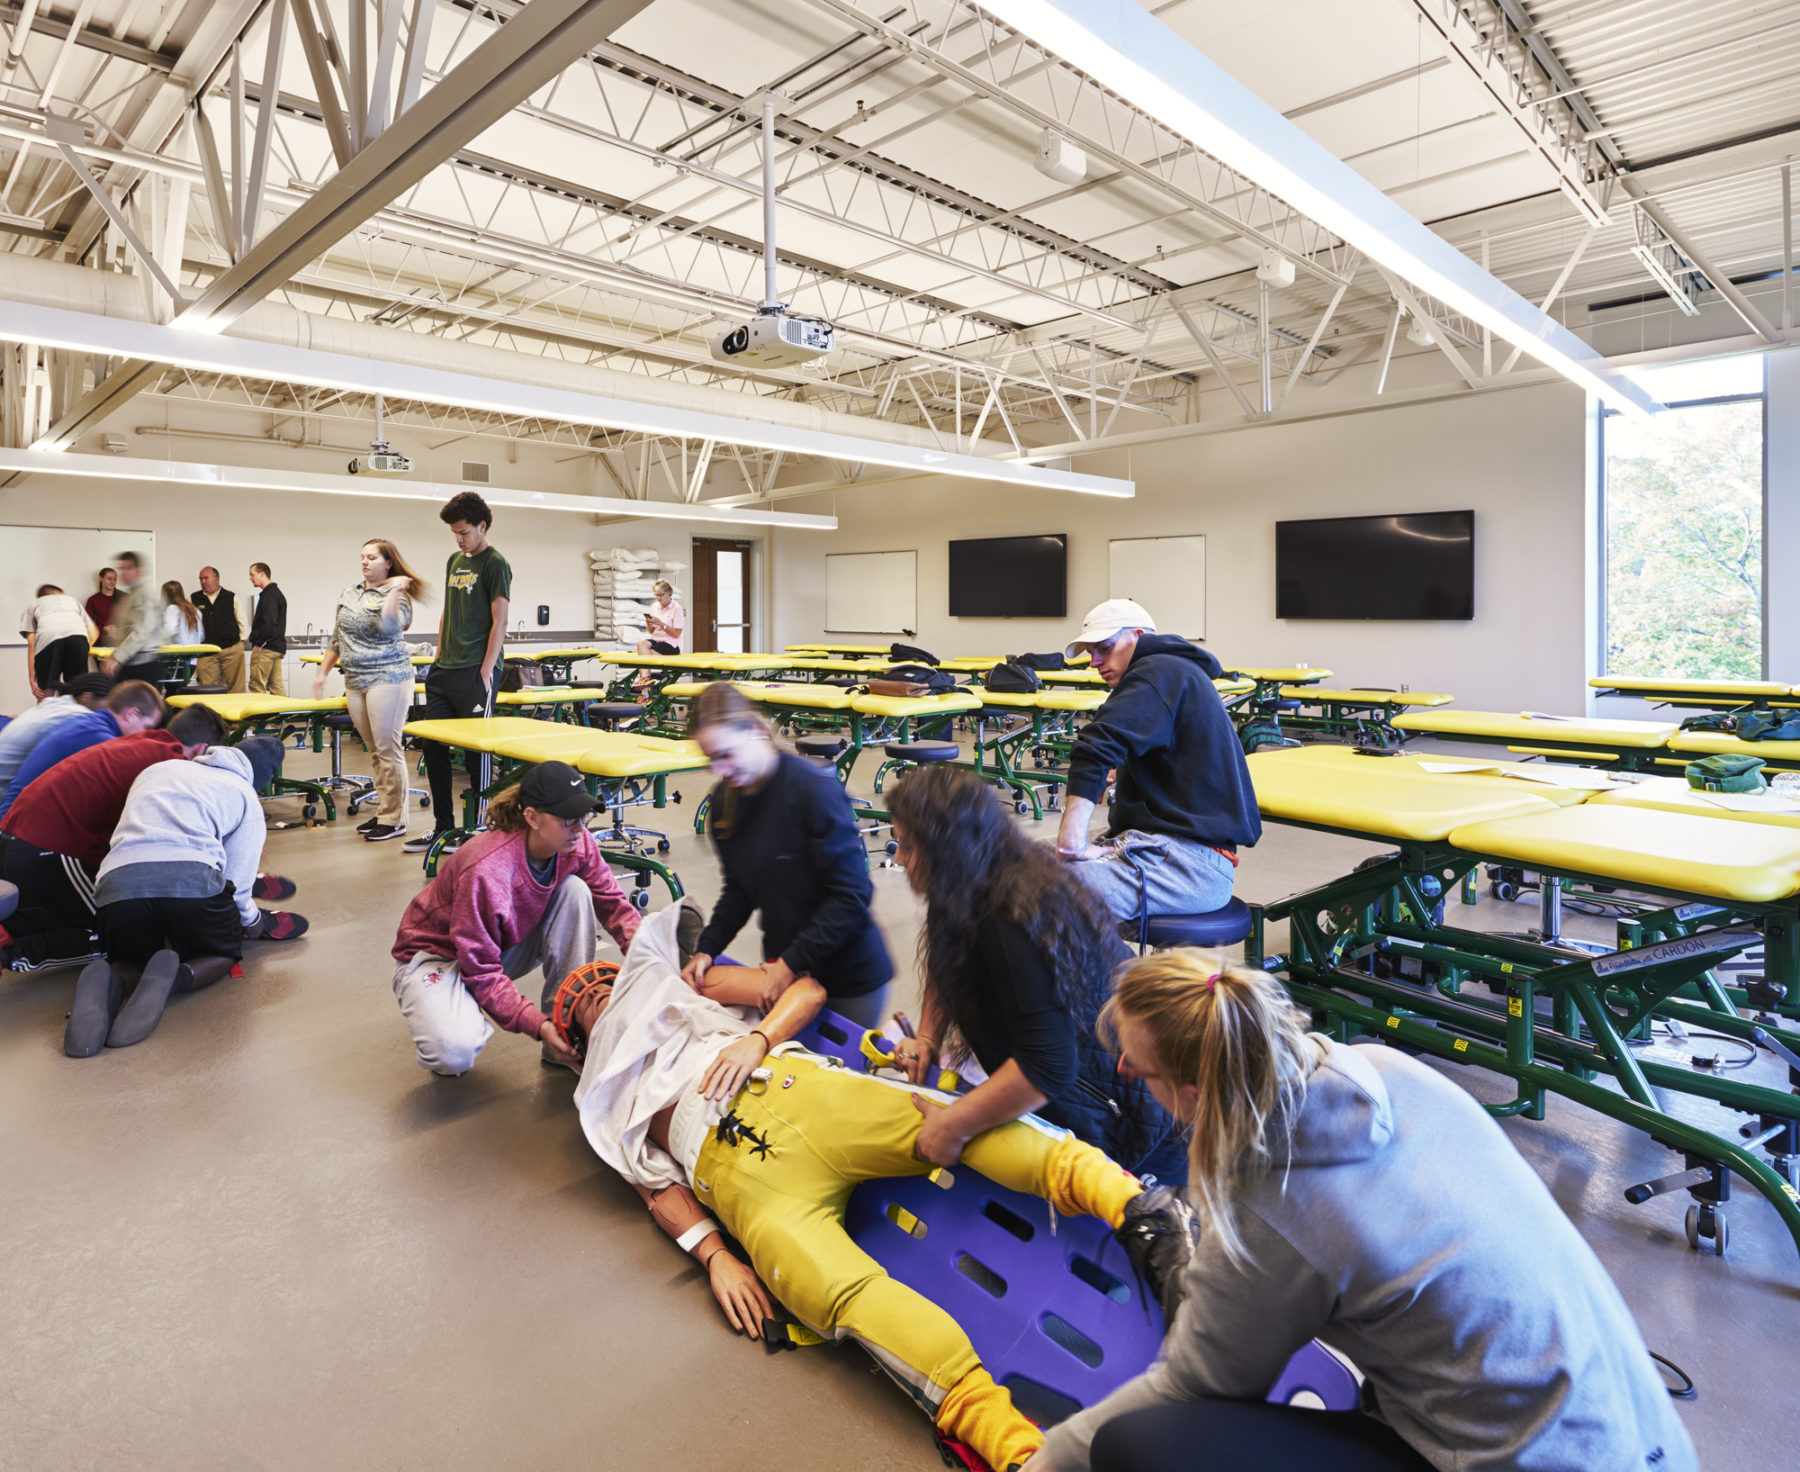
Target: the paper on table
(1425, 766)
(1750, 802)
(1589, 779)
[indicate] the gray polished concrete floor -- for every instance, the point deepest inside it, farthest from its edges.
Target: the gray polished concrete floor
(265, 1240)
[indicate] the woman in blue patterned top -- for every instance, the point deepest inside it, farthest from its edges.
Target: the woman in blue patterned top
(368, 639)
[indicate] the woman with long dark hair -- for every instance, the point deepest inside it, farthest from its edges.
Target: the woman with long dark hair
(1016, 957)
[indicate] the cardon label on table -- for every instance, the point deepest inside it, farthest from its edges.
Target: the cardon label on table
(1674, 950)
(1694, 912)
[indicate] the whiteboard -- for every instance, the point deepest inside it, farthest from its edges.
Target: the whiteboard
(1165, 574)
(871, 592)
(70, 557)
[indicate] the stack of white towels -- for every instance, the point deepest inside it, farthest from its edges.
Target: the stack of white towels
(623, 579)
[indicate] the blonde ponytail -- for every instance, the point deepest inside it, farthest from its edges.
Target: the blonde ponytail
(504, 811)
(1235, 1037)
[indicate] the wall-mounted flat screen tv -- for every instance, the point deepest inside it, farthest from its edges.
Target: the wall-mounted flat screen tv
(1010, 577)
(1419, 566)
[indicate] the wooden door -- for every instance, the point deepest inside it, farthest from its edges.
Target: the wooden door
(720, 617)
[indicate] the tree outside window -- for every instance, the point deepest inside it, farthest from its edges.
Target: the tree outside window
(1683, 502)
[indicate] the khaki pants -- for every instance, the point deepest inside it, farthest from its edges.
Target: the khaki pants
(265, 672)
(379, 714)
(224, 668)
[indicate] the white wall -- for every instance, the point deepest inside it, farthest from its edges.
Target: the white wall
(1517, 457)
(311, 543)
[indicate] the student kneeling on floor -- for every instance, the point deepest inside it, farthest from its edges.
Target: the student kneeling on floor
(525, 893)
(173, 897)
(1182, 803)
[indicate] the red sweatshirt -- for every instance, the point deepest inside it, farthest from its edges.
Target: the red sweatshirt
(74, 806)
(484, 901)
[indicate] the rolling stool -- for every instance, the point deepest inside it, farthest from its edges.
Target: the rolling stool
(821, 748)
(606, 715)
(202, 690)
(337, 723)
(1228, 925)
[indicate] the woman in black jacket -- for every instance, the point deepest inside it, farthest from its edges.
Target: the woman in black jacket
(1017, 959)
(789, 848)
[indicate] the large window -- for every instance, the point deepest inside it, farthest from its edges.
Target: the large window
(1682, 503)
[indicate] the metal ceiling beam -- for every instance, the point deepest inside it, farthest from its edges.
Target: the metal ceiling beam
(1128, 51)
(1722, 283)
(521, 56)
(256, 478)
(155, 345)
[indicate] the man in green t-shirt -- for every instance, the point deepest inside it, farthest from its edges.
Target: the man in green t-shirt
(466, 675)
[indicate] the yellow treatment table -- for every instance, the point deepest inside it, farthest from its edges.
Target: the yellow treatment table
(249, 713)
(1364, 717)
(1333, 789)
(1372, 953)
(178, 661)
(859, 651)
(1673, 795)
(621, 767)
(1635, 745)
(1722, 695)
(419, 661)
(1780, 756)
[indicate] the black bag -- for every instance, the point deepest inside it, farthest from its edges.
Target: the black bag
(935, 681)
(1768, 725)
(1013, 678)
(908, 654)
(1039, 661)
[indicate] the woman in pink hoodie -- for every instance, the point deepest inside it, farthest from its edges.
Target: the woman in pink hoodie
(529, 892)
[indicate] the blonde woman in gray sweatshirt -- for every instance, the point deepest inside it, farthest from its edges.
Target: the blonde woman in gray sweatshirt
(1355, 1196)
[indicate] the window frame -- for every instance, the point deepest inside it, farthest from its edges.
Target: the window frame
(1761, 396)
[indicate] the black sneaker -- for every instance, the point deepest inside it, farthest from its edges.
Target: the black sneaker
(380, 832)
(1158, 1236)
(422, 842)
(365, 827)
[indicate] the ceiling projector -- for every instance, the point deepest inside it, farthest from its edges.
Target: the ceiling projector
(773, 340)
(382, 461)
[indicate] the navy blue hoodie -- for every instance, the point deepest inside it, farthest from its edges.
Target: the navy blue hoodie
(1166, 732)
(792, 851)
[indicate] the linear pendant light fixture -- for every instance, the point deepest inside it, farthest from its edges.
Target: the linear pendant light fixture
(1128, 51)
(390, 487)
(284, 363)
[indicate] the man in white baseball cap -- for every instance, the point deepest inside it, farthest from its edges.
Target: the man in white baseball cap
(1182, 803)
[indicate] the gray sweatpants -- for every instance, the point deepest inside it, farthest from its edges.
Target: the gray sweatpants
(1173, 876)
(448, 1026)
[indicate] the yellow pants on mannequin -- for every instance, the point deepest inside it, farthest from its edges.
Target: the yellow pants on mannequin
(779, 1173)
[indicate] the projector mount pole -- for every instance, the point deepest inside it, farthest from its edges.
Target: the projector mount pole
(380, 438)
(770, 303)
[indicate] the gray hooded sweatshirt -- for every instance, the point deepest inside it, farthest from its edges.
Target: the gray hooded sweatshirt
(1410, 1235)
(188, 830)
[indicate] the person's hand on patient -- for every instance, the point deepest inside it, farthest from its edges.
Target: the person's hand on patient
(777, 978)
(557, 1046)
(917, 1058)
(940, 1142)
(694, 973)
(739, 1291)
(734, 1064)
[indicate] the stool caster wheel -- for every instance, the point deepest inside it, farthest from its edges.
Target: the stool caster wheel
(310, 811)
(891, 848)
(640, 899)
(1021, 806)
(424, 802)
(1503, 889)
(662, 846)
(1707, 1222)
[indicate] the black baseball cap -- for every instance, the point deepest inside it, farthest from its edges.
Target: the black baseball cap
(558, 789)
